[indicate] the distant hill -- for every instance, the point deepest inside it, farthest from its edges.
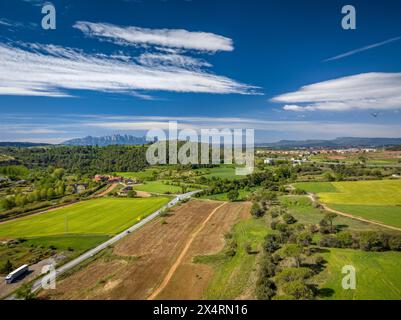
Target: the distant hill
(23, 144)
(106, 141)
(336, 143)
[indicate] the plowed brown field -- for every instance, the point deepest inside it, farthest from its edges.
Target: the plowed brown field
(155, 261)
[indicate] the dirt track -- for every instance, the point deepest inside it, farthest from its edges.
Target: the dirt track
(190, 280)
(138, 264)
(344, 214)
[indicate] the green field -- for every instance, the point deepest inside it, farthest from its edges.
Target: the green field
(36, 249)
(390, 215)
(146, 174)
(232, 274)
(243, 194)
(302, 209)
(378, 192)
(316, 187)
(378, 275)
(160, 187)
(223, 172)
(98, 216)
(378, 200)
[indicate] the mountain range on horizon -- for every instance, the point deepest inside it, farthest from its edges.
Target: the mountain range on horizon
(118, 139)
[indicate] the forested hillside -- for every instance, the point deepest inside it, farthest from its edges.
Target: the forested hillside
(83, 159)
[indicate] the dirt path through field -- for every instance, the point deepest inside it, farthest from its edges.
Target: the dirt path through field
(183, 253)
(191, 279)
(107, 191)
(312, 196)
(139, 263)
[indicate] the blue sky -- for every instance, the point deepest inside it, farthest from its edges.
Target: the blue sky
(285, 68)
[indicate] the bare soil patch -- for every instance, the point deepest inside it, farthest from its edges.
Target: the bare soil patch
(190, 280)
(141, 261)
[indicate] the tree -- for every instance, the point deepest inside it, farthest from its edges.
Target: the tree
(293, 274)
(50, 194)
(329, 217)
(8, 203)
(345, 239)
(233, 195)
(271, 243)
(58, 173)
(297, 289)
(292, 251)
(256, 210)
(289, 219)
(373, 241)
(329, 241)
(394, 243)
(265, 289)
(304, 238)
(25, 292)
(131, 194)
(8, 267)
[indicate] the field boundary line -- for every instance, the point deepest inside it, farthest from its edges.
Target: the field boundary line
(176, 264)
(312, 196)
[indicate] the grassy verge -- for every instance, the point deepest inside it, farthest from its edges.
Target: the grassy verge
(232, 274)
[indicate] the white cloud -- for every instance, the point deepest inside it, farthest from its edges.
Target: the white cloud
(296, 129)
(375, 45)
(5, 22)
(367, 91)
(50, 128)
(154, 59)
(38, 70)
(172, 38)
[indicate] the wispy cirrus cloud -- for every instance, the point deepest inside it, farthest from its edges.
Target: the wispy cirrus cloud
(48, 70)
(372, 46)
(367, 91)
(170, 38)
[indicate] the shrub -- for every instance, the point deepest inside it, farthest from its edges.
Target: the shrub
(268, 268)
(271, 243)
(248, 248)
(289, 219)
(329, 241)
(394, 243)
(345, 239)
(233, 195)
(298, 290)
(373, 241)
(304, 238)
(257, 210)
(265, 289)
(7, 267)
(293, 274)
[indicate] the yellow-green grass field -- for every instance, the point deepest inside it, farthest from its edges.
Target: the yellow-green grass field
(106, 216)
(378, 275)
(302, 209)
(378, 200)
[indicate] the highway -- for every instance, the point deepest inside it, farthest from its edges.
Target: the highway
(73, 263)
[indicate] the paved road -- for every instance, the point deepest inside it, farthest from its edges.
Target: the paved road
(73, 263)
